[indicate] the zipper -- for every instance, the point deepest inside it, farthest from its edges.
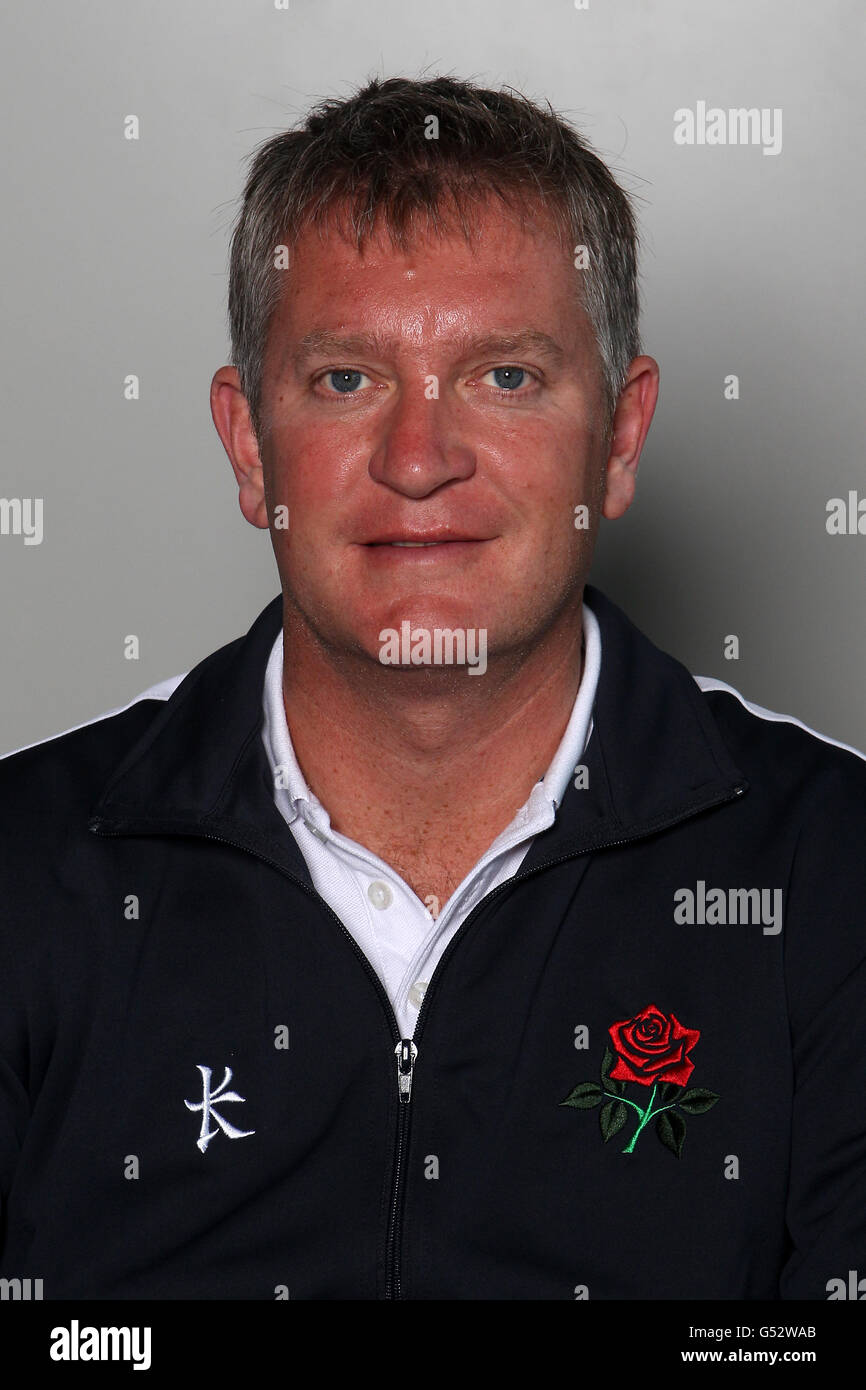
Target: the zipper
(406, 1050)
(406, 1053)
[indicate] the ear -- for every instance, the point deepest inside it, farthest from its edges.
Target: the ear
(231, 416)
(631, 422)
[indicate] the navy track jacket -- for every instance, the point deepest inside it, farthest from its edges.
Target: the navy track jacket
(639, 1070)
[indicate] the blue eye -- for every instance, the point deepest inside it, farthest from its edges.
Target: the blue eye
(508, 378)
(345, 381)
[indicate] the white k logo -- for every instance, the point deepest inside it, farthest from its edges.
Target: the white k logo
(206, 1106)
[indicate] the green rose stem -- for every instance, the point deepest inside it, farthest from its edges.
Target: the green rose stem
(624, 1100)
(646, 1115)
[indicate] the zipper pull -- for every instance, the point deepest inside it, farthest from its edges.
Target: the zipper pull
(405, 1052)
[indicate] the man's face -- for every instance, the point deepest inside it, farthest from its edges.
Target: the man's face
(451, 392)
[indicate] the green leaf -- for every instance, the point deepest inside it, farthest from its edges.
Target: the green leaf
(607, 1081)
(666, 1092)
(671, 1129)
(612, 1117)
(584, 1096)
(697, 1101)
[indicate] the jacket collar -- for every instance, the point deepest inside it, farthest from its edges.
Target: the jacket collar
(655, 756)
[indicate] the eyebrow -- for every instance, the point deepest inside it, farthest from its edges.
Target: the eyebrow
(320, 342)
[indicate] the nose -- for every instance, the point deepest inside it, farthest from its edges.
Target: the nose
(419, 446)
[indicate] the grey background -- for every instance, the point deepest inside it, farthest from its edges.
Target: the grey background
(115, 260)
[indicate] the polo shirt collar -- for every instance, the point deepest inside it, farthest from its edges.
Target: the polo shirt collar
(656, 754)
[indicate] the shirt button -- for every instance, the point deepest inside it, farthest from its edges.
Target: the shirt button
(380, 894)
(416, 993)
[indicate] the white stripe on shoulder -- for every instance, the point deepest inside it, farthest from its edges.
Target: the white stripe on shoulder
(710, 683)
(161, 691)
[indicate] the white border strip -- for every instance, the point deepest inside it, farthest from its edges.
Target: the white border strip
(710, 683)
(161, 691)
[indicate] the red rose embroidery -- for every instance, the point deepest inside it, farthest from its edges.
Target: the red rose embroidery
(652, 1047)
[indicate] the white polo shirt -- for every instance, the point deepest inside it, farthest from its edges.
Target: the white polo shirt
(396, 931)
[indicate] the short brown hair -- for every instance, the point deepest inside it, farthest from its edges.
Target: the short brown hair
(370, 158)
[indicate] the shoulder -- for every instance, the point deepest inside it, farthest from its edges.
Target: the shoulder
(70, 768)
(807, 796)
(780, 749)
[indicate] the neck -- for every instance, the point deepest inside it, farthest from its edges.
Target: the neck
(431, 750)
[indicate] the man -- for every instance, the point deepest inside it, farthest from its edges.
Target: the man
(441, 938)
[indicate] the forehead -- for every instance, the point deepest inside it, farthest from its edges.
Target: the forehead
(509, 274)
